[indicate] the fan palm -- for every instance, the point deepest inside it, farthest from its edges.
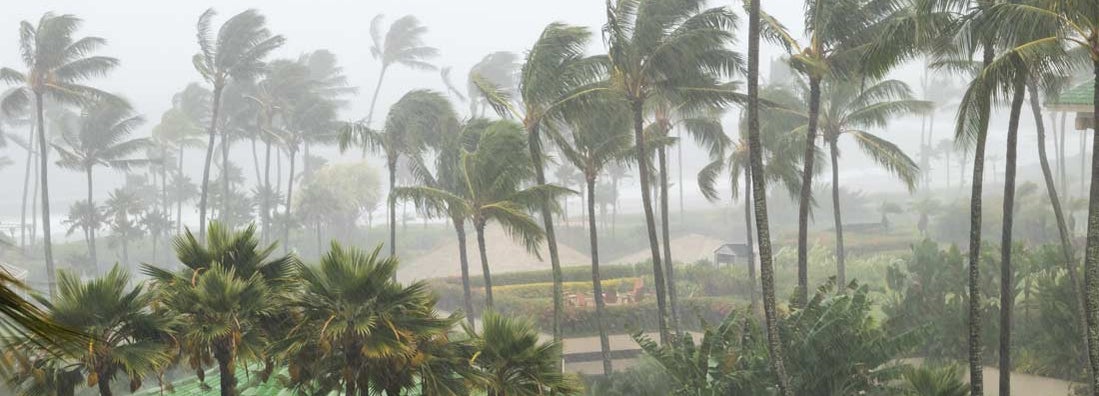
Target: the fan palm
(57, 63)
(759, 194)
(127, 336)
(226, 292)
(514, 360)
(236, 53)
(555, 81)
(359, 317)
(412, 122)
(665, 49)
(596, 140)
(102, 138)
(491, 178)
(402, 44)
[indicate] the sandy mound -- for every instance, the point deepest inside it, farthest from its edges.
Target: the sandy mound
(685, 249)
(504, 255)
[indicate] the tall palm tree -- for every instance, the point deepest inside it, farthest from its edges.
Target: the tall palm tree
(229, 286)
(127, 335)
(84, 217)
(402, 44)
(57, 64)
(492, 179)
(411, 123)
(555, 81)
(236, 53)
(101, 138)
(850, 109)
(759, 191)
(837, 31)
(662, 48)
(514, 360)
(600, 138)
(351, 303)
(1046, 27)
(501, 69)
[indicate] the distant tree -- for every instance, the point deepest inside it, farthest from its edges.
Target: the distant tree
(123, 209)
(102, 138)
(402, 44)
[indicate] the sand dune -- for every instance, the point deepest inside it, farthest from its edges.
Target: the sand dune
(504, 255)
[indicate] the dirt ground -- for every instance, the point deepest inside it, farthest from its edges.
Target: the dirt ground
(686, 249)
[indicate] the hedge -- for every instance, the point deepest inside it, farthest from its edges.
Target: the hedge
(568, 274)
(545, 289)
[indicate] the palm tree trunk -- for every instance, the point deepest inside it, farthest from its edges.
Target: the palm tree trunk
(179, 199)
(374, 98)
(463, 259)
(1059, 215)
(289, 197)
(391, 206)
(1007, 272)
(1062, 169)
(754, 299)
(203, 201)
(534, 145)
(806, 193)
(103, 383)
(666, 237)
(255, 159)
(34, 201)
(91, 230)
(643, 169)
(226, 360)
(976, 363)
(1091, 253)
(225, 198)
(26, 189)
(44, 165)
(755, 150)
(267, 193)
(480, 228)
(596, 282)
(841, 269)
(614, 206)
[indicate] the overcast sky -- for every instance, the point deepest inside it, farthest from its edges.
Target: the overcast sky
(155, 41)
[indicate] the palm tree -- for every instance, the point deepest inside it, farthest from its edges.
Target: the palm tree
(236, 54)
(127, 335)
(26, 327)
(759, 191)
(837, 32)
(1072, 25)
(501, 69)
(600, 138)
(555, 81)
(514, 360)
(56, 65)
(851, 108)
(410, 124)
(491, 178)
(352, 304)
(659, 48)
(102, 138)
(403, 45)
(229, 286)
(87, 218)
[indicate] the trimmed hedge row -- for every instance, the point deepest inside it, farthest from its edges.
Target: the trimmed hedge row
(545, 289)
(568, 274)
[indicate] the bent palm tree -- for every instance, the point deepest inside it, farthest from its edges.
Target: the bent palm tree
(236, 54)
(101, 139)
(57, 63)
(555, 81)
(492, 177)
(659, 48)
(402, 45)
(412, 122)
(597, 139)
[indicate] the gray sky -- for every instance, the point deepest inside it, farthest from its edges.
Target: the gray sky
(155, 41)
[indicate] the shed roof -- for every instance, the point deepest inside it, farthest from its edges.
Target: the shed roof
(1078, 98)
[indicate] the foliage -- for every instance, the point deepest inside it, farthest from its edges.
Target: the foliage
(514, 360)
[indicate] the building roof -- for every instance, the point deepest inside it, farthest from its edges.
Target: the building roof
(1078, 98)
(736, 249)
